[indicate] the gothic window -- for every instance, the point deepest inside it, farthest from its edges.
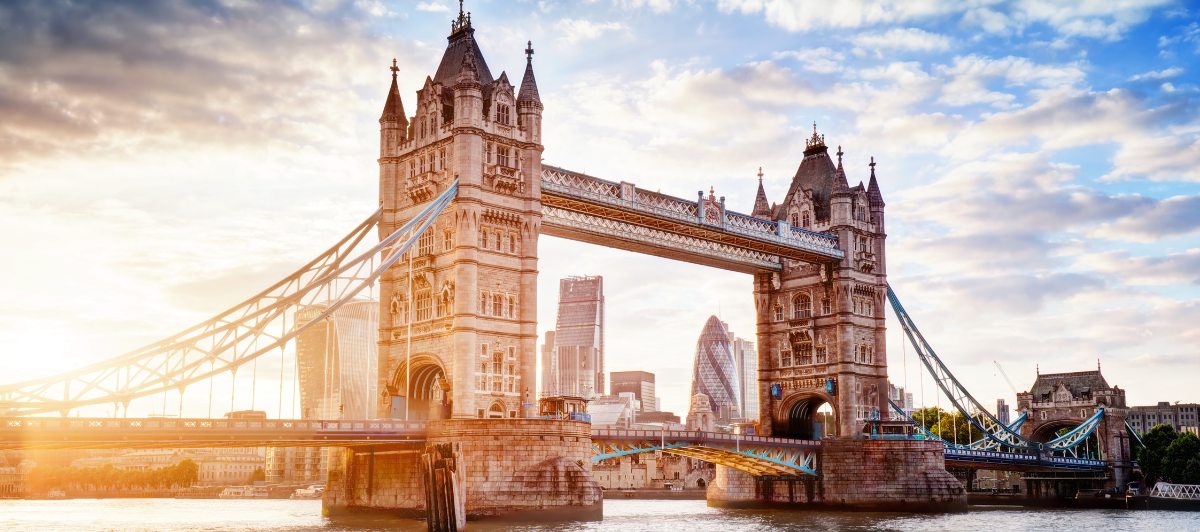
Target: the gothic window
(868, 308)
(425, 244)
(785, 359)
(497, 241)
(825, 310)
(497, 363)
(421, 160)
(512, 353)
(483, 239)
(422, 129)
(804, 220)
(778, 313)
(496, 388)
(412, 168)
(483, 303)
(502, 115)
(433, 123)
(438, 307)
(442, 159)
(488, 153)
(821, 357)
(510, 388)
(795, 221)
(512, 306)
(512, 244)
(802, 306)
(497, 305)
(447, 241)
(483, 351)
(424, 306)
(502, 156)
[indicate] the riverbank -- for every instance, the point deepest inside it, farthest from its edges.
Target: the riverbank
(657, 494)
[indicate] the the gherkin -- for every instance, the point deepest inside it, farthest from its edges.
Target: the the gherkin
(715, 373)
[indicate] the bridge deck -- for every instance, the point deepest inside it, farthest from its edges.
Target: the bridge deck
(581, 207)
(101, 433)
(757, 455)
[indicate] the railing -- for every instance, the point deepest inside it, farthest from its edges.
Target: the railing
(1176, 491)
(188, 425)
(699, 437)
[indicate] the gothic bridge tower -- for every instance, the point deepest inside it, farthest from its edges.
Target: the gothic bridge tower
(458, 313)
(461, 324)
(821, 326)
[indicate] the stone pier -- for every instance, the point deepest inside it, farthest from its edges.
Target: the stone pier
(866, 475)
(527, 469)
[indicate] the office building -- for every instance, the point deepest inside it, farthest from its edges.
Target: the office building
(715, 372)
(640, 383)
(574, 366)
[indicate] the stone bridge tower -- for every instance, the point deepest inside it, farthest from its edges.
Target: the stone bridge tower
(461, 325)
(458, 315)
(1065, 400)
(821, 326)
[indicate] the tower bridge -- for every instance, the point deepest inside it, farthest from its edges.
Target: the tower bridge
(464, 199)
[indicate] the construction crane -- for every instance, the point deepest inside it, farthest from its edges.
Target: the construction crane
(1010, 383)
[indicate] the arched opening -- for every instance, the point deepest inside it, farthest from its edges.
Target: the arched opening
(1088, 448)
(496, 410)
(430, 397)
(699, 483)
(807, 418)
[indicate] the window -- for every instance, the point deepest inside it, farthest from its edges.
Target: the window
(442, 159)
(424, 305)
(497, 306)
(821, 358)
(483, 239)
(512, 307)
(425, 244)
(502, 156)
(433, 123)
(512, 244)
(785, 359)
(438, 310)
(483, 304)
(825, 310)
(778, 313)
(487, 151)
(412, 168)
(502, 114)
(794, 224)
(497, 241)
(497, 364)
(512, 353)
(802, 306)
(447, 241)
(422, 129)
(804, 219)
(804, 354)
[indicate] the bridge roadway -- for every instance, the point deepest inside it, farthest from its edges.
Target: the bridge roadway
(757, 455)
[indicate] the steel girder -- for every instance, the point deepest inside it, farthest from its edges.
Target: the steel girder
(582, 207)
(233, 338)
(1175, 491)
(757, 456)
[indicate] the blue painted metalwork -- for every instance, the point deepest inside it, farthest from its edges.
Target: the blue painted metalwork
(757, 455)
(1133, 435)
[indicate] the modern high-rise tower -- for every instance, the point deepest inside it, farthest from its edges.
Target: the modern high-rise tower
(746, 359)
(716, 373)
(575, 364)
(337, 361)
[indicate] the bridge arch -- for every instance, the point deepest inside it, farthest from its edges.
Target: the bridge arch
(431, 390)
(797, 416)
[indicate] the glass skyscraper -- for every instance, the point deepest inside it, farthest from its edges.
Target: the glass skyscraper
(337, 361)
(573, 356)
(715, 372)
(747, 363)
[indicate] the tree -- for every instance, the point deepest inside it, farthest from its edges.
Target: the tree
(1175, 460)
(1150, 458)
(186, 472)
(258, 475)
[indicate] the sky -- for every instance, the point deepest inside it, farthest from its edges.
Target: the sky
(1040, 160)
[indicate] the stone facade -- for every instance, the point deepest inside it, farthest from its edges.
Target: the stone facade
(872, 475)
(513, 466)
(459, 310)
(821, 326)
(652, 470)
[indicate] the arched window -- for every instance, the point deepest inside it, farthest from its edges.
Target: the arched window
(497, 306)
(794, 220)
(422, 129)
(512, 306)
(424, 301)
(422, 161)
(825, 309)
(483, 306)
(442, 159)
(802, 306)
(804, 219)
(483, 239)
(448, 241)
(512, 244)
(778, 313)
(433, 123)
(412, 168)
(496, 411)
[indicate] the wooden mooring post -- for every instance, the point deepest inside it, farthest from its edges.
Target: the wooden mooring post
(445, 506)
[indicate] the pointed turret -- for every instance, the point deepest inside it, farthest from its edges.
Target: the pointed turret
(840, 183)
(873, 194)
(393, 108)
(529, 92)
(468, 73)
(762, 209)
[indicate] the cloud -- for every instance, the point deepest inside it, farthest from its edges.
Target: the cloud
(1154, 220)
(910, 39)
(821, 60)
(1156, 75)
(572, 31)
(971, 74)
(432, 6)
(1175, 268)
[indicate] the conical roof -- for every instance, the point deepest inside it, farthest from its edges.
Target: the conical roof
(873, 194)
(529, 91)
(461, 42)
(762, 209)
(393, 108)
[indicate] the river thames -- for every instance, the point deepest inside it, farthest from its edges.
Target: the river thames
(177, 515)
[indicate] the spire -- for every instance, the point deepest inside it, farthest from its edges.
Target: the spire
(762, 209)
(529, 91)
(873, 194)
(468, 73)
(815, 144)
(840, 184)
(393, 108)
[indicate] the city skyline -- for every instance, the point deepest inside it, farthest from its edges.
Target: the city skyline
(185, 204)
